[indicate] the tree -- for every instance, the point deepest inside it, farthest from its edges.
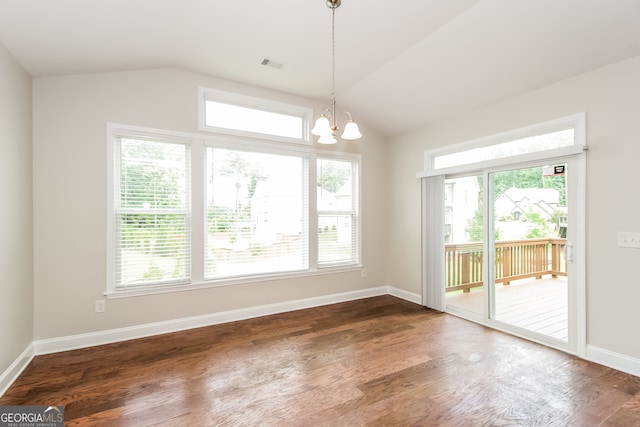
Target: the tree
(540, 226)
(245, 173)
(151, 181)
(529, 178)
(221, 219)
(475, 227)
(332, 174)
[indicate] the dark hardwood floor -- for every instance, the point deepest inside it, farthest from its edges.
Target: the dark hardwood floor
(376, 361)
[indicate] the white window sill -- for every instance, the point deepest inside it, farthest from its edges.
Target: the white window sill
(163, 289)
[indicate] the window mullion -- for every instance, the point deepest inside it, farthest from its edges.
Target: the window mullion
(197, 211)
(357, 211)
(312, 203)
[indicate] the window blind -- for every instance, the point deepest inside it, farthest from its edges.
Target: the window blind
(153, 212)
(337, 206)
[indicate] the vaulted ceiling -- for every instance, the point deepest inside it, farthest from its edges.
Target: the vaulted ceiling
(399, 64)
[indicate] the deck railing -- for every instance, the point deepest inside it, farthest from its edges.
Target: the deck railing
(515, 259)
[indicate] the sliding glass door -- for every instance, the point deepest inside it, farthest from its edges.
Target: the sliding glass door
(503, 231)
(464, 244)
(529, 247)
(508, 249)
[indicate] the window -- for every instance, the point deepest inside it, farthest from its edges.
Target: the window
(234, 114)
(188, 212)
(337, 211)
(555, 138)
(531, 144)
(256, 219)
(152, 212)
(448, 194)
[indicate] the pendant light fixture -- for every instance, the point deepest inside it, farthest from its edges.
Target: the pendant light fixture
(326, 125)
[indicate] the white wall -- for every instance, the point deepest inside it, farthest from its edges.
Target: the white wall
(70, 116)
(611, 98)
(16, 218)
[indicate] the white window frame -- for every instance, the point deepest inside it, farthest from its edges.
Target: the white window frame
(355, 211)
(577, 122)
(115, 133)
(304, 113)
(198, 143)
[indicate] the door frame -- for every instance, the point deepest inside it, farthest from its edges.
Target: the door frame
(433, 207)
(576, 204)
(433, 289)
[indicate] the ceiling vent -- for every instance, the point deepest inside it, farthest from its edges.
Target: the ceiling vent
(269, 63)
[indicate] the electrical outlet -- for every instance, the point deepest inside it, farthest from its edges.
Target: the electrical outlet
(363, 272)
(629, 240)
(100, 306)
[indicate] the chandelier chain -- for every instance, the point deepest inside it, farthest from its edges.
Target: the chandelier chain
(333, 52)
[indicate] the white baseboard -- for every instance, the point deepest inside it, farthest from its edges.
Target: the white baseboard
(613, 360)
(405, 295)
(12, 372)
(73, 342)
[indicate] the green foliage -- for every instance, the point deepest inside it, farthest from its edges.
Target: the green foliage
(152, 181)
(560, 184)
(244, 172)
(154, 234)
(475, 227)
(221, 219)
(154, 273)
(327, 235)
(519, 178)
(256, 249)
(529, 178)
(151, 174)
(333, 174)
(540, 226)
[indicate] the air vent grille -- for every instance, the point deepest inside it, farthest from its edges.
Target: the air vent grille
(269, 63)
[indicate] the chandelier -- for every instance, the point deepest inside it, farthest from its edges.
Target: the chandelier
(326, 125)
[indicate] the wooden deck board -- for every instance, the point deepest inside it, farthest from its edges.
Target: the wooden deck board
(538, 305)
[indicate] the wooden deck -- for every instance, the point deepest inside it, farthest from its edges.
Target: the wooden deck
(538, 305)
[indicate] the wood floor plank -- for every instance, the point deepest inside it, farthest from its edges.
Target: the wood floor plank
(376, 361)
